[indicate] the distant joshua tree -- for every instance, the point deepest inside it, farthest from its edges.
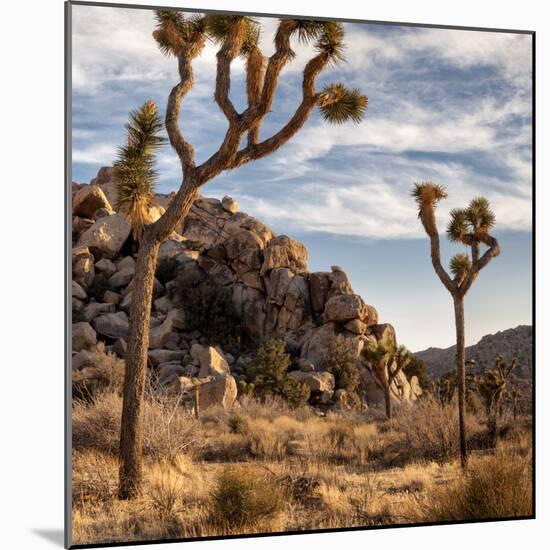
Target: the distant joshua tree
(491, 387)
(469, 226)
(184, 39)
(386, 361)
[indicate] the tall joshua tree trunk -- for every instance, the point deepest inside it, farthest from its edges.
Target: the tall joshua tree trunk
(461, 376)
(131, 436)
(136, 365)
(238, 36)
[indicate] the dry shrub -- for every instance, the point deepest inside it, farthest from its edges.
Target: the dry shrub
(498, 486)
(96, 425)
(226, 447)
(245, 497)
(94, 478)
(339, 440)
(166, 495)
(350, 442)
(102, 372)
(302, 487)
(429, 429)
(271, 407)
(334, 500)
(167, 429)
(265, 441)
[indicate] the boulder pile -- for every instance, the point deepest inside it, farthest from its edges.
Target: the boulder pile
(272, 295)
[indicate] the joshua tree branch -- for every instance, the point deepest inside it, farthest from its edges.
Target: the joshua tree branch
(309, 99)
(283, 54)
(255, 71)
(400, 364)
(475, 251)
(377, 378)
(229, 50)
(228, 158)
(183, 149)
(427, 217)
(492, 252)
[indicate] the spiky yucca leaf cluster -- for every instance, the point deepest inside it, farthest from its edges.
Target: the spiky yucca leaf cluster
(338, 104)
(174, 32)
(379, 356)
(134, 169)
(218, 27)
(471, 223)
(376, 354)
(331, 41)
(308, 29)
(460, 265)
(427, 193)
(403, 356)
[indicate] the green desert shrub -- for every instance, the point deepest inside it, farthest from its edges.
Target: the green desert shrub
(269, 374)
(341, 362)
(418, 368)
(245, 389)
(244, 497)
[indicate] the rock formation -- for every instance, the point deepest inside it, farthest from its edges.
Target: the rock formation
(271, 294)
(514, 342)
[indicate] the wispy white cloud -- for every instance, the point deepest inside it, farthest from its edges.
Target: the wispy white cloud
(414, 108)
(375, 201)
(95, 153)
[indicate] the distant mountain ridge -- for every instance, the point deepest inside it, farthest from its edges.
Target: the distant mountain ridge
(514, 342)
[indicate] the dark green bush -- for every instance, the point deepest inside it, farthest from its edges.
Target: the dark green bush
(342, 363)
(418, 368)
(269, 374)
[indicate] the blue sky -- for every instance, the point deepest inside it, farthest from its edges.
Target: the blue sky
(444, 105)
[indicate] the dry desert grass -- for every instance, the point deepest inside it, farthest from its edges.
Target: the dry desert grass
(266, 467)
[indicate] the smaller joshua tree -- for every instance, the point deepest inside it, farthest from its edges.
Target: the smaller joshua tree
(446, 387)
(470, 227)
(386, 361)
(491, 388)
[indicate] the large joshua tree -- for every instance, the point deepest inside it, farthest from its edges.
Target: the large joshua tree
(184, 39)
(470, 227)
(386, 361)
